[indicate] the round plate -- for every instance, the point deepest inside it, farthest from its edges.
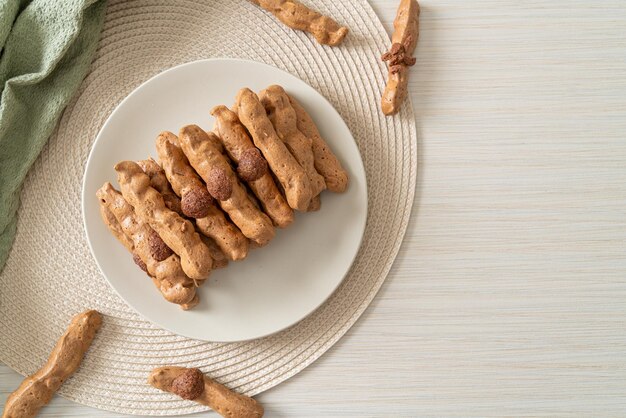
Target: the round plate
(275, 286)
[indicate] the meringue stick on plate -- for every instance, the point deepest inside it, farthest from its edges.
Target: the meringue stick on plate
(326, 162)
(158, 180)
(251, 165)
(197, 201)
(178, 233)
(292, 177)
(203, 152)
(284, 120)
(149, 251)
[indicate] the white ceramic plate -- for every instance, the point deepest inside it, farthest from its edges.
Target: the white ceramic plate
(275, 286)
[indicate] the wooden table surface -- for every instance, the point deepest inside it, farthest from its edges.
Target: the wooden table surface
(508, 297)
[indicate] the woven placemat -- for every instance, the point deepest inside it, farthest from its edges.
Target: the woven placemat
(50, 273)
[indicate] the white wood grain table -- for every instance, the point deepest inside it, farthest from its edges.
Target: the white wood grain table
(508, 297)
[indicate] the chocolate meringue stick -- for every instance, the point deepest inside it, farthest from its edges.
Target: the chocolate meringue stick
(251, 165)
(191, 384)
(37, 390)
(196, 200)
(179, 234)
(283, 164)
(326, 162)
(399, 57)
(205, 156)
(297, 16)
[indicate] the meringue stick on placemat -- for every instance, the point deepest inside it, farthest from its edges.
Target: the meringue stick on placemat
(399, 58)
(251, 165)
(197, 201)
(297, 16)
(37, 390)
(191, 384)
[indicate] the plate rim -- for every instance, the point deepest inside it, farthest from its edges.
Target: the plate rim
(117, 108)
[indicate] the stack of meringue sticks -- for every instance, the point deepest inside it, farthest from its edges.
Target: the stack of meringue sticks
(214, 196)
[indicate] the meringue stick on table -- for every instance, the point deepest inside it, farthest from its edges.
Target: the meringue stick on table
(399, 57)
(297, 16)
(192, 384)
(205, 156)
(292, 177)
(178, 233)
(251, 166)
(197, 201)
(37, 390)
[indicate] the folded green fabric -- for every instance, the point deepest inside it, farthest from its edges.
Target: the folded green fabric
(47, 46)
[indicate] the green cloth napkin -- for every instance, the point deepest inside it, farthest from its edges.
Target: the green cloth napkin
(46, 48)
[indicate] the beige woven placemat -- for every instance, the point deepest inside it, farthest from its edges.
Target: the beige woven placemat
(50, 273)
